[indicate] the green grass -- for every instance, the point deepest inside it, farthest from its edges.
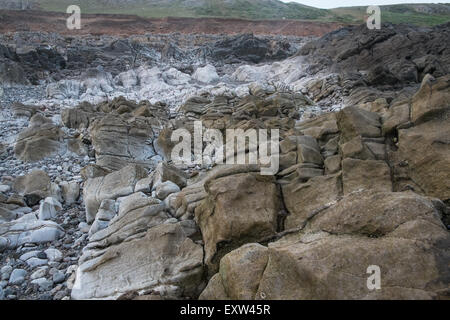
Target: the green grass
(250, 10)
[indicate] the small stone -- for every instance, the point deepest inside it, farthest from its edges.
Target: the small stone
(53, 254)
(6, 272)
(59, 277)
(35, 262)
(17, 276)
(84, 227)
(39, 273)
(4, 188)
(43, 283)
(42, 255)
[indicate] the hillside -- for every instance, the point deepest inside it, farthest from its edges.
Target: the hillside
(419, 14)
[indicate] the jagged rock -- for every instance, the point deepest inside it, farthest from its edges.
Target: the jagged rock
(356, 149)
(93, 171)
(116, 184)
(365, 174)
(432, 98)
(238, 209)
(166, 172)
(140, 269)
(40, 140)
(353, 122)
(397, 115)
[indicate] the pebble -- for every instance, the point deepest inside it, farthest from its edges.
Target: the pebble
(53, 254)
(17, 276)
(6, 272)
(59, 277)
(43, 283)
(35, 262)
(39, 273)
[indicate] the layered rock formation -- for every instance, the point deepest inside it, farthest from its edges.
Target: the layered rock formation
(362, 180)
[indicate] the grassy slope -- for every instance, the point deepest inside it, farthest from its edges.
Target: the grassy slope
(250, 10)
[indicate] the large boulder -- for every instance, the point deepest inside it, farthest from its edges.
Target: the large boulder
(332, 257)
(40, 140)
(239, 208)
(165, 260)
(36, 186)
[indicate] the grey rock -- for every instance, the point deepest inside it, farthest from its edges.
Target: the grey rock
(166, 188)
(49, 208)
(54, 254)
(59, 277)
(17, 276)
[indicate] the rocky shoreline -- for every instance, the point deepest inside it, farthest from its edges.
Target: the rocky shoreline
(92, 206)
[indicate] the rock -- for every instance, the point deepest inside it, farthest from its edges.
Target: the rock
(40, 140)
(431, 99)
(356, 232)
(28, 229)
(214, 290)
(70, 191)
(304, 200)
(53, 254)
(397, 115)
(17, 276)
(114, 185)
(238, 209)
(49, 208)
(165, 172)
(5, 272)
(356, 149)
(36, 262)
(118, 142)
(39, 273)
(35, 186)
(140, 269)
(12, 74)
(425, 151)
(166, 188)
(206, 74)
(105, 214)
(43, 283)
(365, 174)
(332, 164)
(59, 277)
(4, 188)
(353, 122)
(239, 274)
(93, 171)
(308, 150)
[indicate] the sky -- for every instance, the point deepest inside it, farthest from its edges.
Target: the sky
(327, 4)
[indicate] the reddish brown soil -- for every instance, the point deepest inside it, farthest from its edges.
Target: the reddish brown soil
(124, 25)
